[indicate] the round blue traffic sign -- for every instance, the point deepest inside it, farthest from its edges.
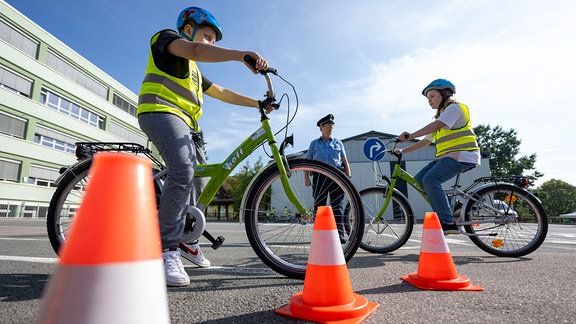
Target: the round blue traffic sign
(374, 149)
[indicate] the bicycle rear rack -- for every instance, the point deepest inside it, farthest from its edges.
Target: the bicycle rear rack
(87, 149)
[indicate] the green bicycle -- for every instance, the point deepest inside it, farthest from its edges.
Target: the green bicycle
(498, 214)
(282, 243)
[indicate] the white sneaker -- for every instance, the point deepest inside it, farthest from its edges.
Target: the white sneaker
(174, 270)
(193, 253)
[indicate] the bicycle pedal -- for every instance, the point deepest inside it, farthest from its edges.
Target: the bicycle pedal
(218, 242)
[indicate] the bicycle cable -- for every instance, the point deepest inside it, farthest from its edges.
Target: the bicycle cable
(289, 119)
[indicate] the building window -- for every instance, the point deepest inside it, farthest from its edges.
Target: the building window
(74, 74)
(124, 104)
(54, 139)
(42, 176)
(9, 170)
(67, 107)
(17, 39)
(12, 126)
(14, 82)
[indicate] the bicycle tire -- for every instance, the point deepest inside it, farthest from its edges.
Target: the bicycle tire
(519, 232)
(67, 199)
(65, 202)
(393, 230)
(282, 242)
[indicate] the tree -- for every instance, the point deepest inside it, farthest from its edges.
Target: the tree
(558, 197)
(239, 182)
(503, 147)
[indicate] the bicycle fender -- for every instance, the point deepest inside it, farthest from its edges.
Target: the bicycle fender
(69, 168)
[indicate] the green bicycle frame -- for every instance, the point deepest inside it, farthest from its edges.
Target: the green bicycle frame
(220, 171)
(400, 173)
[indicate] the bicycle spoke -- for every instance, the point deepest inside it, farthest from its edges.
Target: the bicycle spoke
(281, 235)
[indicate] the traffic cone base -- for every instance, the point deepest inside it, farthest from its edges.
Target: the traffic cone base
(327, 296)
(355, 312)
(436, 269)
(459, 283)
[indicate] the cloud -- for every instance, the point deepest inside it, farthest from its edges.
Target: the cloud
(367, 63)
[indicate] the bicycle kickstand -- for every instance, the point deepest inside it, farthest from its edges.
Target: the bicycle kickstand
(216, 242)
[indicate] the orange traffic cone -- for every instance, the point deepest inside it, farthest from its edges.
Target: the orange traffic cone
(436, 270)
(327, 295)
(111, 268)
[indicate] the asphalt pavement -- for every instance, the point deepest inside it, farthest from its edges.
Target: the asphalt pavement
(239, 288)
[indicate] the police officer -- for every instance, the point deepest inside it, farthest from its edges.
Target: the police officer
(330, 150)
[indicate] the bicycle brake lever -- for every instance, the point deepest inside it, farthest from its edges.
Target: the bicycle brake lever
(268, 102)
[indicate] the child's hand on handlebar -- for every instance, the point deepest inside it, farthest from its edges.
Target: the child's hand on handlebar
(258, 63)
(268, 105)
(404, 137)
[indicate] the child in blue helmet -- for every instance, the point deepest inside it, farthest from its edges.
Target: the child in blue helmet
(169, 106)
(456, 147)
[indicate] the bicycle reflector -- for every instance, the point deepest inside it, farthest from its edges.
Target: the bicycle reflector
(521, 182)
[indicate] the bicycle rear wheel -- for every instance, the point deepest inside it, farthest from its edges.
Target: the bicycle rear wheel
(66, 201)
(393, 229)
(282, 238)
(519, 227)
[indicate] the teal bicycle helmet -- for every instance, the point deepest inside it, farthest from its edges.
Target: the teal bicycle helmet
(199, 16)
(439, 84)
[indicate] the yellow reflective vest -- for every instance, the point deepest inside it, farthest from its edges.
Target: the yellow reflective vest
(165, 93)
(461, 139)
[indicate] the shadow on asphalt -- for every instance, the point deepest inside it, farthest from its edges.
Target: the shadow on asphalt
(21, 287)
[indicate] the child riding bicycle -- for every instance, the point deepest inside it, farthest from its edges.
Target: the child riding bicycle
(456, 147)
(169, 106)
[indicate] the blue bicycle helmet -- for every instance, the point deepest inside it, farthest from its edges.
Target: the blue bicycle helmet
(439, 84)
(199, 16)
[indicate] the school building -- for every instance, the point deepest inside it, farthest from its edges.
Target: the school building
(50, 98)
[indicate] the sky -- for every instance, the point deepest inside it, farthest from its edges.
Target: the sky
(364, 61)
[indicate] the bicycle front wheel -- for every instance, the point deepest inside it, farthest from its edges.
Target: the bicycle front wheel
(506, 221)
(393, 229)
(281, 236)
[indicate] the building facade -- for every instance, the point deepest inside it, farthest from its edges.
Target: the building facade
(50, 98)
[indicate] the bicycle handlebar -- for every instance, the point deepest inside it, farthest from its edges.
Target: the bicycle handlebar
(252, 62)
(270, 95)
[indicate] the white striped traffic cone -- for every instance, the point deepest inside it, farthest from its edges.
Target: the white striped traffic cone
(327, 294)
(111, 268)
(436, 269)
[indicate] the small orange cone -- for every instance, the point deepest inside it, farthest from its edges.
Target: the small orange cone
(327, 296)
(111, 268)
(436, 270)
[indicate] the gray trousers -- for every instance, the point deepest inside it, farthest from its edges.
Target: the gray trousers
(173, 139)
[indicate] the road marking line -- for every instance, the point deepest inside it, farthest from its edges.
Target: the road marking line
(28, 259)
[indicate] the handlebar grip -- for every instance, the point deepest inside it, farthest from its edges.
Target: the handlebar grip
(398, 139)
(252, 62)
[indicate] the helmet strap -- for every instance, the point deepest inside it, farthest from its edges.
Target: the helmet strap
(191, 38)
